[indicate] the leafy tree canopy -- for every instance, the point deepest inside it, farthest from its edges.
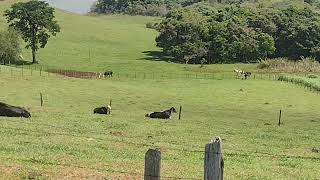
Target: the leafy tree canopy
(35, 21)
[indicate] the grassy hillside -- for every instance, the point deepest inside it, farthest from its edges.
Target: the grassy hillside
(64, 138)
(95, 43)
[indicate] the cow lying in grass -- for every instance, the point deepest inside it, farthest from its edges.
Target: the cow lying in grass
(163, 114)
(13, 111)
(102, 110)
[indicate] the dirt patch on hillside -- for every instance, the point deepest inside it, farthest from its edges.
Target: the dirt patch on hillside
(75, 74)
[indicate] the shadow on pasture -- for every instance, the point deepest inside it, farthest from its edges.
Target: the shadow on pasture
(156, 56)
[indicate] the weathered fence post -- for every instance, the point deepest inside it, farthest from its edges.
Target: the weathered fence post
(40, 70)
(110, 102)
(180, 112)
(152, 165)
(41, 100)
(279, 123)
(22, 70)
(213, 160)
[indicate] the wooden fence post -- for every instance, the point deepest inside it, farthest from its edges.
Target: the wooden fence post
(213, 160)
(280, 118)
(41, 100)
(110, 102)
(152, 165)
(22, 70)
(180, 112)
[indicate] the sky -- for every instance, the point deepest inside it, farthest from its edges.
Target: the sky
(76, 6)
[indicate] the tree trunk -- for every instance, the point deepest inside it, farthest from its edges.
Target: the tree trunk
(33, 45)
(34, 60)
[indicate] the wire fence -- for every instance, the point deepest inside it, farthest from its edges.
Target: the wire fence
(179, 148)
(40, 71)
(24, 71)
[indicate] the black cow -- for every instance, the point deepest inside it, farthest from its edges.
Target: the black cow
(247, 74)
(102, 110)
(13, 111)
(108, 74)
(162, 115)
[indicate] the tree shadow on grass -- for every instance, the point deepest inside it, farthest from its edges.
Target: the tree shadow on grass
(157, 56)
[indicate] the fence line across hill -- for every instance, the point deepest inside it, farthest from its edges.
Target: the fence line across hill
(25, 71)
(181, 148)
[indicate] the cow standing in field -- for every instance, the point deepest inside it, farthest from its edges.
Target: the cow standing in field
(99, 75)
(238, 72)
(247, 74)
(242, 73)
(108, 74)
(13, 111)
(166, 114)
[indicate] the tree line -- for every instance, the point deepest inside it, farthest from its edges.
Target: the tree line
(140, 7)
(239, 34)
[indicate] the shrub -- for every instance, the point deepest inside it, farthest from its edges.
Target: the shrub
(9, 46)
(312, 76)
(306, 65)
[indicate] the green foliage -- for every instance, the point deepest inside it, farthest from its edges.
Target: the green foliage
(241, 34)
(223, 36)
(306, 65)
(9, 46)
(312, 76)
(142, 7)
(182, 34)
(312, 83)
(35, 21)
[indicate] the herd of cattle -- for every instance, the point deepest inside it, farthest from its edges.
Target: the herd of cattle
(15, 111)
(105, 74)
(239, 73)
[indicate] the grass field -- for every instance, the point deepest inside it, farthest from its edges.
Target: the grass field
(307, 82)
(64, 139)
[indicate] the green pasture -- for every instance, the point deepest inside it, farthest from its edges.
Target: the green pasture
(64, 139)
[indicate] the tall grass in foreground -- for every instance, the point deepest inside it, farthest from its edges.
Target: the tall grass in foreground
(311, 81)
(306, 65)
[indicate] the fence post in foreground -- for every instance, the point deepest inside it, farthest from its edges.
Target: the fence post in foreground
(152, 165)
(279, 123)
(41, 100)
(180, 112)
(213, 160)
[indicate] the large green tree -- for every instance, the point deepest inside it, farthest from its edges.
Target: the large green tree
(35, 21)
(182, 36)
